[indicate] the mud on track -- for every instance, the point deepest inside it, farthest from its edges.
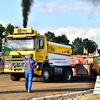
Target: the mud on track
(14, 90)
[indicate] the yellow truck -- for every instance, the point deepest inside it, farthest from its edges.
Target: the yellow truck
(53, 58)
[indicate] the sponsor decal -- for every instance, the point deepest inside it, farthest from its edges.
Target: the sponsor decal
(23, 30)
(51, 49)
(59, 60)
(40, 56)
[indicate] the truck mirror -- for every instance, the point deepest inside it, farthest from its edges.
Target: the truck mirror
(41, 44)
(3, 43)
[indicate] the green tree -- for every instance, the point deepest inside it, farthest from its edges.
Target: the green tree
(2, 29)
(9, 29)
(62, 40)
(77, 46)
(99, 51)
(50, 36)
(90, 45)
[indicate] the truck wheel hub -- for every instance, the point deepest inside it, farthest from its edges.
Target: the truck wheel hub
(68, 75)
(46, 75)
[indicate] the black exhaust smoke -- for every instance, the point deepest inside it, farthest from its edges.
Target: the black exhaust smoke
(26, 5)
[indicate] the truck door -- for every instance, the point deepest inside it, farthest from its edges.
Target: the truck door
(41, 53)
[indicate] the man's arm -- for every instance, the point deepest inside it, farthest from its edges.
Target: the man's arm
(20, 54)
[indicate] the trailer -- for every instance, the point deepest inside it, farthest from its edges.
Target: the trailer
(84, 65)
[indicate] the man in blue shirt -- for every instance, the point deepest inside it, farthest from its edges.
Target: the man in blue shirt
(29, 71)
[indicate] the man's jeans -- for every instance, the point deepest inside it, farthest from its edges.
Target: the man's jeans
(28, 80)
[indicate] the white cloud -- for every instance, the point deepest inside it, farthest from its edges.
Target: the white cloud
(53, 7)
(74, 32)
(79, 2)
(42, 32)
(51, 4)
(47, 11)
(66, 8)
(95, 2)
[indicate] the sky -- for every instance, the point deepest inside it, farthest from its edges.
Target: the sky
(74, 18)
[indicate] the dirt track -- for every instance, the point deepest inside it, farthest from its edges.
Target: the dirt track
(14, 90)
(1, 68)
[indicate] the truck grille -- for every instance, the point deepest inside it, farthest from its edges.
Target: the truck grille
(14, 58)
(16, 61)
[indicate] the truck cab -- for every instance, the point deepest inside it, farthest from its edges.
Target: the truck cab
(24, 41)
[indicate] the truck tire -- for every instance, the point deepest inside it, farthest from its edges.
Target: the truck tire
(68, 74)
(46, 74)
(14, 77)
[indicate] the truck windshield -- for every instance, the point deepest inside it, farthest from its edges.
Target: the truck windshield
(23, 44)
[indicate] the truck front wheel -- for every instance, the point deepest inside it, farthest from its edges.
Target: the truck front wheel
(68, 74)
(46, 74)
(14, 77)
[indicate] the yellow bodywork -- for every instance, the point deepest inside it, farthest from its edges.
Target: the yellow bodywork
(97, 66)
(59, 49)
(96, 63)
(21, 35)
(14, 70)
(20, 70)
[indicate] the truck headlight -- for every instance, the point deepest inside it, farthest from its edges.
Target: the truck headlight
(6, 66)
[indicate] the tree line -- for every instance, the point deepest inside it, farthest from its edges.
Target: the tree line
(77, 45)
(4, 31)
